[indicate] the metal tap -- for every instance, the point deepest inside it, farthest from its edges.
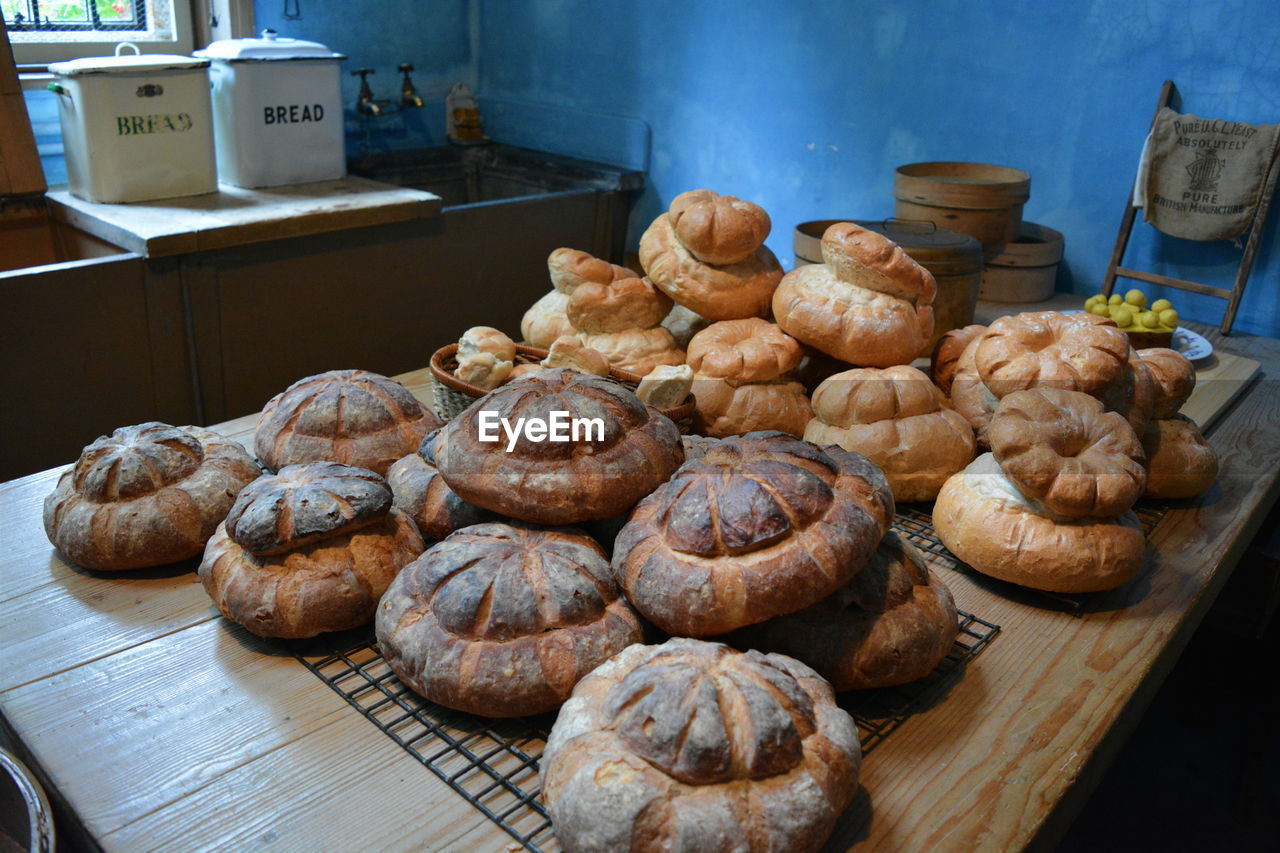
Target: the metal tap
(409, 96)
(366, 104)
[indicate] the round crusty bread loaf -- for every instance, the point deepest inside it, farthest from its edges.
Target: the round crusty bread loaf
(1174, 379)
(723, 408)
(420, 491)
(350, 416)
(302, 504)
(1061, 449)
(1078, 352)
(691, 746)
(547, 320)
(1180, 462)
(899, 420)
(625, 303)
(146, 495)
(892, 624)
(559, 482)
(946, 355)
(728, 292)
(718, 229)
(748, 350)
(503, 621)
(636, 350)
(869, 259)
(307, 550)
(986, 522)
(848, 322)
(761, 525)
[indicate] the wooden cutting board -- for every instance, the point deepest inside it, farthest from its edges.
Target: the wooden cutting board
(1220, 379)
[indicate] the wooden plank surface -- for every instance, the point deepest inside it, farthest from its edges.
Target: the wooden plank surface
(236, 216)
(164, 727)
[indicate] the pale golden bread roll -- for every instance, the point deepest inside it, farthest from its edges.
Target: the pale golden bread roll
(970, 397)
(848, 322)
(761, 525)
(571, 353)
(570, 268)
(724, 408)
(869, 259)
(728, 292)
(483, 369)
(666, 386)
(290, 564)
(350, 416)
(636, 350)
(1180, 462)
(1061, 449)
(553, 482)
(625, 303)
(691, 746)
(503, 620)
(480, 339)
(892, 624)
(899, 420)
(718, 229)
(1174, 379)
(146, 495)
(421, 493)
(1078, 352)
(986, 522)
(521, 370)
(946, 355)
(748, 350)
(547, 320)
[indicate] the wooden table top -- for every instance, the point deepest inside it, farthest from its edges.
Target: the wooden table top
(162, 726)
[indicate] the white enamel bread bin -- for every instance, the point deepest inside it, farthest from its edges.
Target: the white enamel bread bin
(136, 127)
(277, 111)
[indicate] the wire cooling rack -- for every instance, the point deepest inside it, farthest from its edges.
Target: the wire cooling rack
(493, 764)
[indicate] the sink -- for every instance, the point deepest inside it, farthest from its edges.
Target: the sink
(492, 173)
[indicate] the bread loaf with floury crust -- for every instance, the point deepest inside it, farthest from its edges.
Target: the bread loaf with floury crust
(350, 416)
(308, 550)
(761, 525)
(742, 379)
(985, 521)
(502, 620)
(718, 229)
(1174, 379)
(869, 259)
(899, 420)
(419, 491)
(559, 482)
(146, 495)
(692, 747)
(892, 624)
(946, 355)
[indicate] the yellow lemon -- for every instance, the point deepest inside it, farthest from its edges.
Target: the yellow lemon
(1136, 297)
(1116, 299)
(1161, 305)
(1150, 319)
(1169, 317)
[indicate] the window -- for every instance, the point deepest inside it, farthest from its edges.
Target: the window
(50, 30)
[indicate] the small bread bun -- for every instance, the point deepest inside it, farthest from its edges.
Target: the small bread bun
(871, 260)
(986, 522)
(572, 353)
(1061, 449)
(1173, 376)
(666, 386)
(483, 369)
(718, 229)
(480, 339)
(546, 320)
(1181, 464)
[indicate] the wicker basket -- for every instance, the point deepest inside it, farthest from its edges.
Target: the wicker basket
(451, 395)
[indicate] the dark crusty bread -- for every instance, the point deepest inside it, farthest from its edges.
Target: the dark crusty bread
(420, 491)
(761, 525)
(691, 746)
(502, 621)
(146, 495)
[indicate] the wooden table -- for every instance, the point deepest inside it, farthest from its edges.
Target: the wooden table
(161, 726)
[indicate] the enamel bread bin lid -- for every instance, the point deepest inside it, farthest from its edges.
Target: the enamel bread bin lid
(136, 128)
(270, 47)
(277, 111)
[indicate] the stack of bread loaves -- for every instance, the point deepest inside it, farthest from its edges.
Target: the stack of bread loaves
(1076, 352)
(707, 253)
(1180, 463)
(1050, 506)
(870, 304)
(741, 379)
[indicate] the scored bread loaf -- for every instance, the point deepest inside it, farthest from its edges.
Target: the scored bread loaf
(418, 489)
(718, 229)
(869, 259)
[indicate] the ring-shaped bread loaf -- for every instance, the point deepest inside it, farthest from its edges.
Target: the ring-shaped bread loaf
(747, 350)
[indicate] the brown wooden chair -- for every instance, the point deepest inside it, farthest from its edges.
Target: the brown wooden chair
(1232, 295)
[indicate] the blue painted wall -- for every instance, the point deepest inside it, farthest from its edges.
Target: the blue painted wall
(808, 106)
